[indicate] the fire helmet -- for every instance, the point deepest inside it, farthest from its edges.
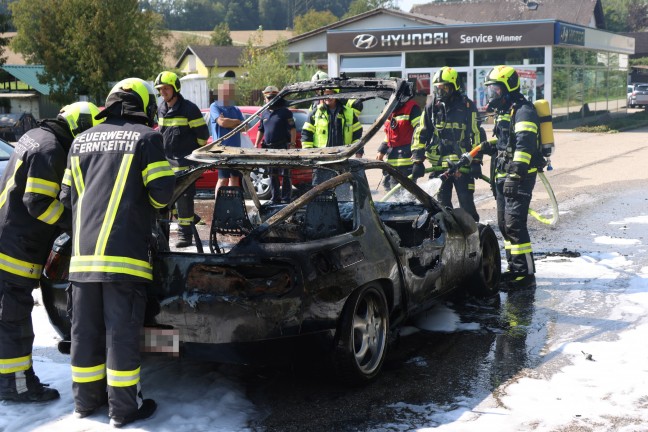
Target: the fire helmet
(168, 78)
(80, 116)
(137, 98)
(443, 78)
(500, 82)
(319, 76)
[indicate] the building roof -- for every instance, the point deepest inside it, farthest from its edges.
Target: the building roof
(29, 75)
(422, 19)
(641, 43)
(586, 13)
(210, 55)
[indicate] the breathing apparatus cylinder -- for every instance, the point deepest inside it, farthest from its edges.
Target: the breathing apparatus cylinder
(546, 127)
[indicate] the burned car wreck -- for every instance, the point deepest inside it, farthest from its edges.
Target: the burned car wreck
(336, 269)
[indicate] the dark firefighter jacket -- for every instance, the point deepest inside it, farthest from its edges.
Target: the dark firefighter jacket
(319, 131)
(184, 130)
(116, 177)
(30, 212)
(518, 148)
(446, 131)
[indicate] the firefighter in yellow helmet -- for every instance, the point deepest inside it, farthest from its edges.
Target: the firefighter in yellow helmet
(32, 216)
(448, 128)
(184, 130)
(518, 158)
(116, 181)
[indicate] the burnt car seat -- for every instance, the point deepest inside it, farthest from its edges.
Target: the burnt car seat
(230, 216)
(322, 218)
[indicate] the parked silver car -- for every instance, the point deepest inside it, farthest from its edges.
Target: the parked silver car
(638, 96)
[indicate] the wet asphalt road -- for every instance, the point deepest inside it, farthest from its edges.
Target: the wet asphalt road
(595, 182)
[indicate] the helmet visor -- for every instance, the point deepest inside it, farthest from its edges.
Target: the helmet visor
(442, 91)
(495, 91)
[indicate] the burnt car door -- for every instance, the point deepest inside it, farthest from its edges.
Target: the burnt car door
(418, 239)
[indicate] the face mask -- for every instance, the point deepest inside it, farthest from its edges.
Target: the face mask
(442, 91)
(497, 97)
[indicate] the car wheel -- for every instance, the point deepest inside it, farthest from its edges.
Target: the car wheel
(261, 181)
(362, 336)
(485, 282)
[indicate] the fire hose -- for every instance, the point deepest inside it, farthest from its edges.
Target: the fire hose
(466, 160)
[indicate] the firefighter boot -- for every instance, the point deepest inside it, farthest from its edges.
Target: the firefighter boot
(145, 411)
(185, 237)
(516, 282)
(24, 386)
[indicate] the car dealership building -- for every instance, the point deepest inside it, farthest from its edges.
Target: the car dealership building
(582, 71)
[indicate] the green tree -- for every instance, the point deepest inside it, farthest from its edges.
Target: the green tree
(221, 35)
(312, 20)
(625, 15)
(243, 15)
(264, 66)
(5, 22)
(361, 6)
(275, 14)
(87, 44)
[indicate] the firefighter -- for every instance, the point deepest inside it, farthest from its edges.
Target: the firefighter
(319, 131)
(399, 129)
(184, 130)
(356, 104)
(518, 159)
(31, 216)
(448, 128)
(117, 179)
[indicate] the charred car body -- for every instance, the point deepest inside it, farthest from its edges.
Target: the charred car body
(335, 267)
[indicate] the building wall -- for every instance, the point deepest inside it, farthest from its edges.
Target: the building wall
(26, 104)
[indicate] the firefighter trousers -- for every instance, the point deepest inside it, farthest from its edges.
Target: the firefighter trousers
(401, 159)
(185, 212)
(512, 215)
(465, 187)
(16, 330)
(107, 318)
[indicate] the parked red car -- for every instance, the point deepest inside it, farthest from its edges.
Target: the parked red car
(301, 178)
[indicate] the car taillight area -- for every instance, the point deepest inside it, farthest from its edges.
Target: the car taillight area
(244, 281)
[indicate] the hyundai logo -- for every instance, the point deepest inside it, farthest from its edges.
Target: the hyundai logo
(365, 41)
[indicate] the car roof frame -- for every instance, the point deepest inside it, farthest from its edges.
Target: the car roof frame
(395, 90)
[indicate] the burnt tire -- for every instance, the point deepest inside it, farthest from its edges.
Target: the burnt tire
(484, 282)
(361, 340)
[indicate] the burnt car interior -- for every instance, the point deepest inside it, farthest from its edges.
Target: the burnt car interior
(320, 214)
(345, 261)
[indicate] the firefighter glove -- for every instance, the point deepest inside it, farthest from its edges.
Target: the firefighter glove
(487, 148)
(418, 170)
(475, 170)
(511, 185)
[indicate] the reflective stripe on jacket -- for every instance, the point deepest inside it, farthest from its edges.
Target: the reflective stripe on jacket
(446, 131)
(30, 211)
(184, 130)
(518, 142)
(116, 177)
(316, 131)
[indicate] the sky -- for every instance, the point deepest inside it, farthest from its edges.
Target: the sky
(406, 5)
(598, 304)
